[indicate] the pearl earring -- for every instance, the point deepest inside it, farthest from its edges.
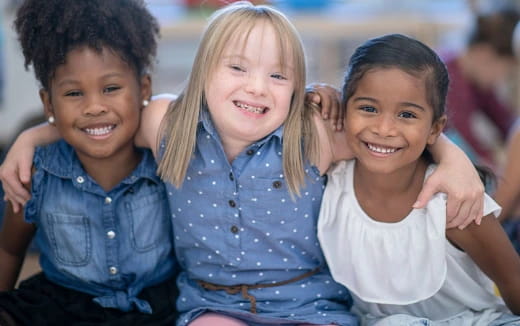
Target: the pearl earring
(145, 103)
(51, 120)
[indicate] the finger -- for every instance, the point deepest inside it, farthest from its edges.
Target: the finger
(18, 193)
(25, 174)
(459, 215)
(453, 209)
(466, 217)
(341, 114)
(333, 102)
(477, 212)
(316, 98)
(326, 107)
(15, 206)
(428, 190)
(311, 96)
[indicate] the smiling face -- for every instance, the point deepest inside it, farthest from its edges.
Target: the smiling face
(95, 99)
(389, 120)
(249, 92)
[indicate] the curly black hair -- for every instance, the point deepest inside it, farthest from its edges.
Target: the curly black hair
(49, 29)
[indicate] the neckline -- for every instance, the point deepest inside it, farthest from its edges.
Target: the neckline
(361, 212)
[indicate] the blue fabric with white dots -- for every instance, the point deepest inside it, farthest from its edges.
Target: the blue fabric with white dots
(237, 224)
(108, 244)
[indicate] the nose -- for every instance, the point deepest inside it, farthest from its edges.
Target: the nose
(384, 126)
(256, 84)
(94, 106)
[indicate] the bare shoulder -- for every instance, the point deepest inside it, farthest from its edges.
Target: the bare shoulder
(161, 101)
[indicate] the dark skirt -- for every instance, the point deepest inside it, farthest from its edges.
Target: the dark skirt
(38, 301)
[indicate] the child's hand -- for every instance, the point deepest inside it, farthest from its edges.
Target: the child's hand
(465, 195)
(15, 171)
(328, 100)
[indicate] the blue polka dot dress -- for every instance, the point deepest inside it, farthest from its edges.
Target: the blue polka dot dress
(235, 223)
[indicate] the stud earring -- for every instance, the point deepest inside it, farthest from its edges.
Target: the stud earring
(145, 103)
(50, 119)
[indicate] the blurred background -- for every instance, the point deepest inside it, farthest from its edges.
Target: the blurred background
(330, 29)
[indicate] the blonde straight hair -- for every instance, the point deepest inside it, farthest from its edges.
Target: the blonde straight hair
(179, 126)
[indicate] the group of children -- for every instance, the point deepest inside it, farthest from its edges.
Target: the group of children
(232, 221)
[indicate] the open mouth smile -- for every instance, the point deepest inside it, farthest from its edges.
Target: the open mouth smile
(99, 131)
(381, 149)
(251, 108)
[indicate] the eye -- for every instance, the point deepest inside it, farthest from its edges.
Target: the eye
(73, 93)
(237, 68)
(367, 108)
(407, 115)
(110, 89)
(279, 76)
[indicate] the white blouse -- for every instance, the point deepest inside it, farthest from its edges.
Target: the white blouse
(403, 267)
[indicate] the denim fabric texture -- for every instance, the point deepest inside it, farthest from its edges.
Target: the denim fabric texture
(235, 223)
(107, 244)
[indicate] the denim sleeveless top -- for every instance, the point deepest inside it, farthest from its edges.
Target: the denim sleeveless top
(235, 223)
(108, 244)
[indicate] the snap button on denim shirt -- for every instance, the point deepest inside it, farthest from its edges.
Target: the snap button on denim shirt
(108, 244)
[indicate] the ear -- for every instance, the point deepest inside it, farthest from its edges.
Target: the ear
(146, 87)
(436, 129)
(45, 97)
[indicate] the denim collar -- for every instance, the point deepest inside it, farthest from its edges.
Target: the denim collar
(66, 165)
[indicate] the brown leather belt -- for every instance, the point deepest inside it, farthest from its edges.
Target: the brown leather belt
(244, 288)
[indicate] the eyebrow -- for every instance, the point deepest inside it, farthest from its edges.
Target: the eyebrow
(406, 104)
(68, 81)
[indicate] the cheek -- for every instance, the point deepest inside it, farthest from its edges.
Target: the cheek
(210, 89)
(285, 94)
(61, 116)
(210, 98)
(351, 123)
(352, 130)
(284, 101)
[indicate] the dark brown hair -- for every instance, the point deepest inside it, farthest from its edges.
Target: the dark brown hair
(496, 29)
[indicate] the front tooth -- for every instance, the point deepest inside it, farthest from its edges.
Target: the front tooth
(381, 149)
(98, 131)
(253, 109)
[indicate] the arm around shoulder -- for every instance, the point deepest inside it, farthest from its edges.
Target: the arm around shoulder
(15, 170)
(151, 118)
(458, 178)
